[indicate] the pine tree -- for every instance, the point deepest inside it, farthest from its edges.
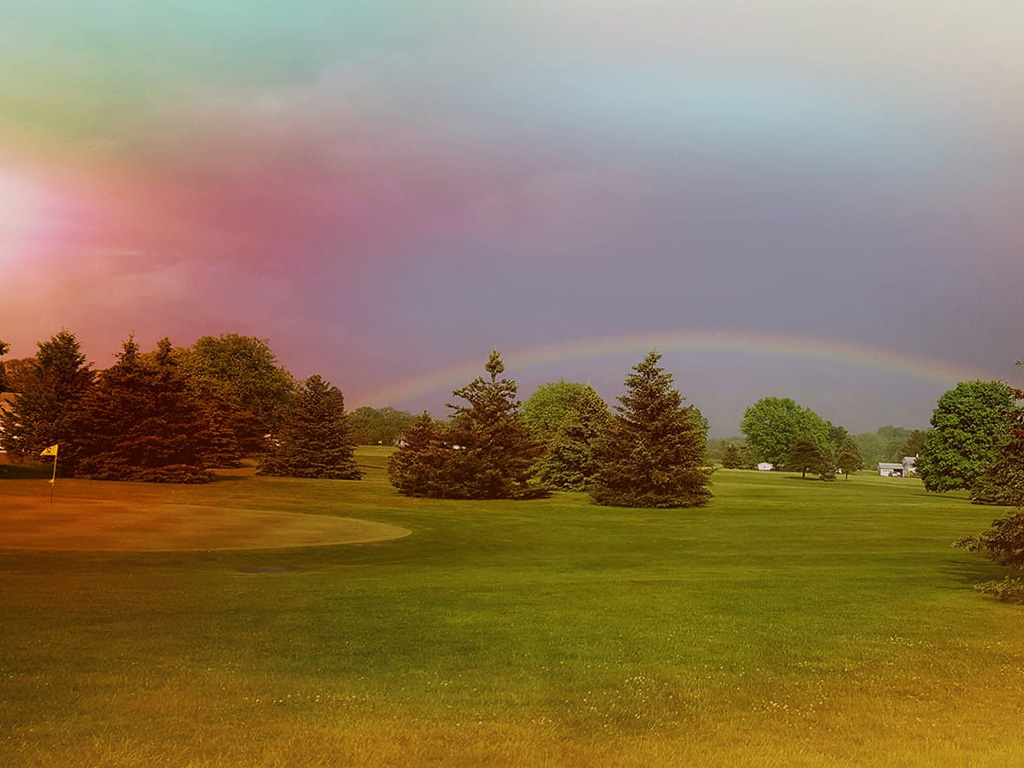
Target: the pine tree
(805, 454)
(570, 463)
(651, 453)
(51, 392)
(486, 452)
(496, 453)
(732, 457)
(849, 458)
(417, 467)
(141, 423)
(316, 438)
(222, 449)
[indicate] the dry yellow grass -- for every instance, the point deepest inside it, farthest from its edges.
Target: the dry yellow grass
(122, 525)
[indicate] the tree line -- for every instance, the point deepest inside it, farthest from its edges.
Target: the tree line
(174, 413)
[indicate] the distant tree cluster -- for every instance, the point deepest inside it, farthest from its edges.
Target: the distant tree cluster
(889, 444)
(788, 436)
(172, 414)
(379, 426)
(649, 454)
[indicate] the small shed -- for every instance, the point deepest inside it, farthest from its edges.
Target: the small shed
(766, 466)
(890, 469)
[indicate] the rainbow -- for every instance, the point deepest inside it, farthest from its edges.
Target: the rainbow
(935, 371)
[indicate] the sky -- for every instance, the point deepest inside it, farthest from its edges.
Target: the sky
(822, 201)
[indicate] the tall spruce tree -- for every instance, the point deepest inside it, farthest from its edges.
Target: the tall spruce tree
(496, 453)
(417, 468)
(570, 463)
(50, 394)
(141, 422)
(652, 451)
(486, 451)
(315, 439)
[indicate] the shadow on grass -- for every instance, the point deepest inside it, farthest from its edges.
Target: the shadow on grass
(218, 476)
(967, 574)
(25, 472)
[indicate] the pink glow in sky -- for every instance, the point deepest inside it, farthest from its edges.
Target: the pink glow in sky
(389, 190)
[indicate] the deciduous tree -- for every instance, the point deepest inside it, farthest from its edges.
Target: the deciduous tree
(651, 453)
(4, 349)
(971, 424)
(545, 409)
(773, 424)
(242, 372)
(379, 426)
(19, 372)
(570, 462)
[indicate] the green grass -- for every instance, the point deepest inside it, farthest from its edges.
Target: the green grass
(789, 623)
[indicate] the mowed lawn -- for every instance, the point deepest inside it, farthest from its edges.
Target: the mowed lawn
(789, 623)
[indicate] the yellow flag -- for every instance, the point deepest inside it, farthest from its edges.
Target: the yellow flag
(51, 451)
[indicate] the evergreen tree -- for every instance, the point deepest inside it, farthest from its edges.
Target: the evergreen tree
(316, 438)
(495, 453)
(570, 463)
(848, 458)
(651, 452)
(732, 457)
(222, 449)
(826, 468)
(545, 409)
(486, 452)
(417, 468)
(51, 391)
(140, 422)
(913, 446)
(805, 454)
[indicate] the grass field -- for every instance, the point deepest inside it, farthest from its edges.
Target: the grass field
(789, 623)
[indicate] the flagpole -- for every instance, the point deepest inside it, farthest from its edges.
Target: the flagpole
(53, 480)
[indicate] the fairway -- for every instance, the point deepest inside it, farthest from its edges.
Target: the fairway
(788, 623)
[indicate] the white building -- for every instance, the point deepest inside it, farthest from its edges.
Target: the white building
(907, 468)
(766, 466)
